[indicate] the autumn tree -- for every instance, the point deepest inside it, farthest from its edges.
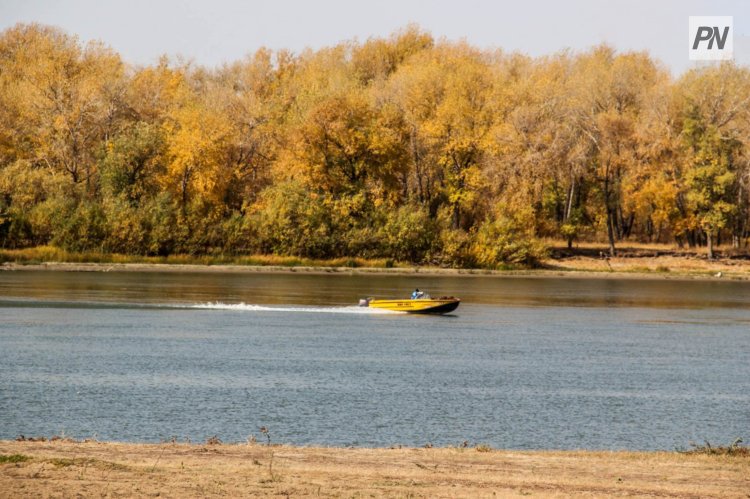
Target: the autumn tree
(611, 89)
(714, 117)
(64, 98)
(196, 140)
(399, 147)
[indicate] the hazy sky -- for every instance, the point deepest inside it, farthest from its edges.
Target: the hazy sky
(212, 32)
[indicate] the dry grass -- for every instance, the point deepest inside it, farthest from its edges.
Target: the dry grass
(585, 260)
(676, 265)
(722, 450)
(643, 258)
(43, 254)
(579, 245)
(66, 469)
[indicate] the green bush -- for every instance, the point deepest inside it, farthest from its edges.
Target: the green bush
(126, 231)
(409, 234)
(83, 228)
(505, 241)
(15, 229)
(128, 162)
(454, 248)
(164, 231)
(236, 234)
(288, 219)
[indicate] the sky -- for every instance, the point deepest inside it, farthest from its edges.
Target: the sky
(218, 31)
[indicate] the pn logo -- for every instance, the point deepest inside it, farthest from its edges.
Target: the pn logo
(711, 38)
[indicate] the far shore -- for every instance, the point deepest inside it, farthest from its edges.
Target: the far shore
(65, 468)
(587, 260)
(581, 270)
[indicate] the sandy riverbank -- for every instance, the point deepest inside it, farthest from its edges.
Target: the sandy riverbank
(579, 267)
(94, 469)
(586, 260)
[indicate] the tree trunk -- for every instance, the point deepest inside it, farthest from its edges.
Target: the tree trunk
(571, 193)
(611, 220)
(611, 232)
(710, 243)
(739, 226)
(691, 239)
(417, 165)
(456, 216)
(184, 188)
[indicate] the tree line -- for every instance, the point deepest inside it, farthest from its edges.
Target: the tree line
(405, 147)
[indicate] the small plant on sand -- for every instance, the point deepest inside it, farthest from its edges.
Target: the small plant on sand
(272, 476)
(13, 458)
(22, 438)
(215, 440)
(483, 448)
(732, 450)
(264, 431)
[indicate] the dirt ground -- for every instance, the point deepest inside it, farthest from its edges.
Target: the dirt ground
(665, 266)
(584, 260)
(94, 469)
(653, 260)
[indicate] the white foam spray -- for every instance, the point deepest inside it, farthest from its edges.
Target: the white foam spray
(246, 307)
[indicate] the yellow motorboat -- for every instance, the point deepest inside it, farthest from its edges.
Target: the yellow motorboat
(423, 305)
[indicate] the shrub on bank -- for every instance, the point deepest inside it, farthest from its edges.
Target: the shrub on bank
(503, 241)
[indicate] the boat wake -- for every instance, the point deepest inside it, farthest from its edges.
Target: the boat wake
(246, 307)
(239, 307)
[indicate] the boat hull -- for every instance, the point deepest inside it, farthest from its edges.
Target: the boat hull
(440, 306)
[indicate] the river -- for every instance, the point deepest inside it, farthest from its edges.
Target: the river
(524, 363)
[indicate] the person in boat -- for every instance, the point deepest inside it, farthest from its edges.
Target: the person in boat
(417, 294)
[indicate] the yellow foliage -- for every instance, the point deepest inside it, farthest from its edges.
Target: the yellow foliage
(197, 141)
(329, 146)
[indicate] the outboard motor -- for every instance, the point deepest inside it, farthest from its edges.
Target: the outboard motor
(364, 302)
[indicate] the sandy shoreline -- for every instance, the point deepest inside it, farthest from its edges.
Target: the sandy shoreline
(575, 273)
(70, 469)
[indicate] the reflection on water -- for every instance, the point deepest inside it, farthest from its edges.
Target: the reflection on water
(341, 289)
(523, 363)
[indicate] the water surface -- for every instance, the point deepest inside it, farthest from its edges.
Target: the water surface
(527, 363)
